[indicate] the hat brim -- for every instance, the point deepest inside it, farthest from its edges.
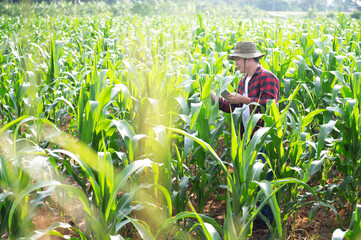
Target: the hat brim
(245, 55)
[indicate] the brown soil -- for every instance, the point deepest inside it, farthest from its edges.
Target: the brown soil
(45, 218)
(70, 212)
(298, 227)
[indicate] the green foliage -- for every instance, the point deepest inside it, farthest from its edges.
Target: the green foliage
(356, 14)
(331, 15)
(311, 13)
(143, 8)
(117, 101)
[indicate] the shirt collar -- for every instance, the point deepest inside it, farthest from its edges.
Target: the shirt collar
(258, 70)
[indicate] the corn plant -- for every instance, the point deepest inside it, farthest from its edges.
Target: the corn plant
(109, 215)
(355, 225)
(135, 91)
(21, 188)
(347, 146)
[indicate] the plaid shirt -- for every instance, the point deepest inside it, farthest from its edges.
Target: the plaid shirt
(262, 86)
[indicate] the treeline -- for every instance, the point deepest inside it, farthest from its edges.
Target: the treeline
(294, 5)
(242, 5)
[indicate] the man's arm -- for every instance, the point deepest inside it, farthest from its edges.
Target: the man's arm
(225, 105)
(235, 98)
(269, 90)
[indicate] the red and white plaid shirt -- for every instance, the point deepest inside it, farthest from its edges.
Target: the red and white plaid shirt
(263, 85)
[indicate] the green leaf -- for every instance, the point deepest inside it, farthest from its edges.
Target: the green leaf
(309, 117)
(196, 109)
(313, 211)
(218, 64)
(339, 76)
(8, 125)
(89, 159)
(204, 218)
(357, 223)
(206, 91)
(207, 147)
(335, 91)
(70, 104)
(338, 234)
(133, 70)
(182, 103)
(128, 135)
(255, 145)
(51, 230)
(116, 237)
(212, 231)
(234, 142)
(325, 130)
(121, 179)
(167, 197)
(256, 171)
(312, 169)
(230, 232)
(205, 227)
(318, 87)
(268, 190)
(142, 229)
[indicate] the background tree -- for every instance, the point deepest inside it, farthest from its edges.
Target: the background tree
(353, 4)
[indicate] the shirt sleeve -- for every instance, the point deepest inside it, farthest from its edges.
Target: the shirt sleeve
(224, 104)
(269, 89)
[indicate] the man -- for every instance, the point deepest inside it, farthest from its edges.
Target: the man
(257, 86)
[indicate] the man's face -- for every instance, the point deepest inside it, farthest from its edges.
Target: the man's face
(240, 64)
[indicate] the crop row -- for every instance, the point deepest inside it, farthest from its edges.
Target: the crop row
(116, 112)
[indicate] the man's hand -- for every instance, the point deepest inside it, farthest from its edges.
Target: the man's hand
(235, 98)
(213, 97)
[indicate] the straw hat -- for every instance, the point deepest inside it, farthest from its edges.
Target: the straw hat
(245, 50)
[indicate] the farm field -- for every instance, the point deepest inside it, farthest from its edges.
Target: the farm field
(107, 129)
